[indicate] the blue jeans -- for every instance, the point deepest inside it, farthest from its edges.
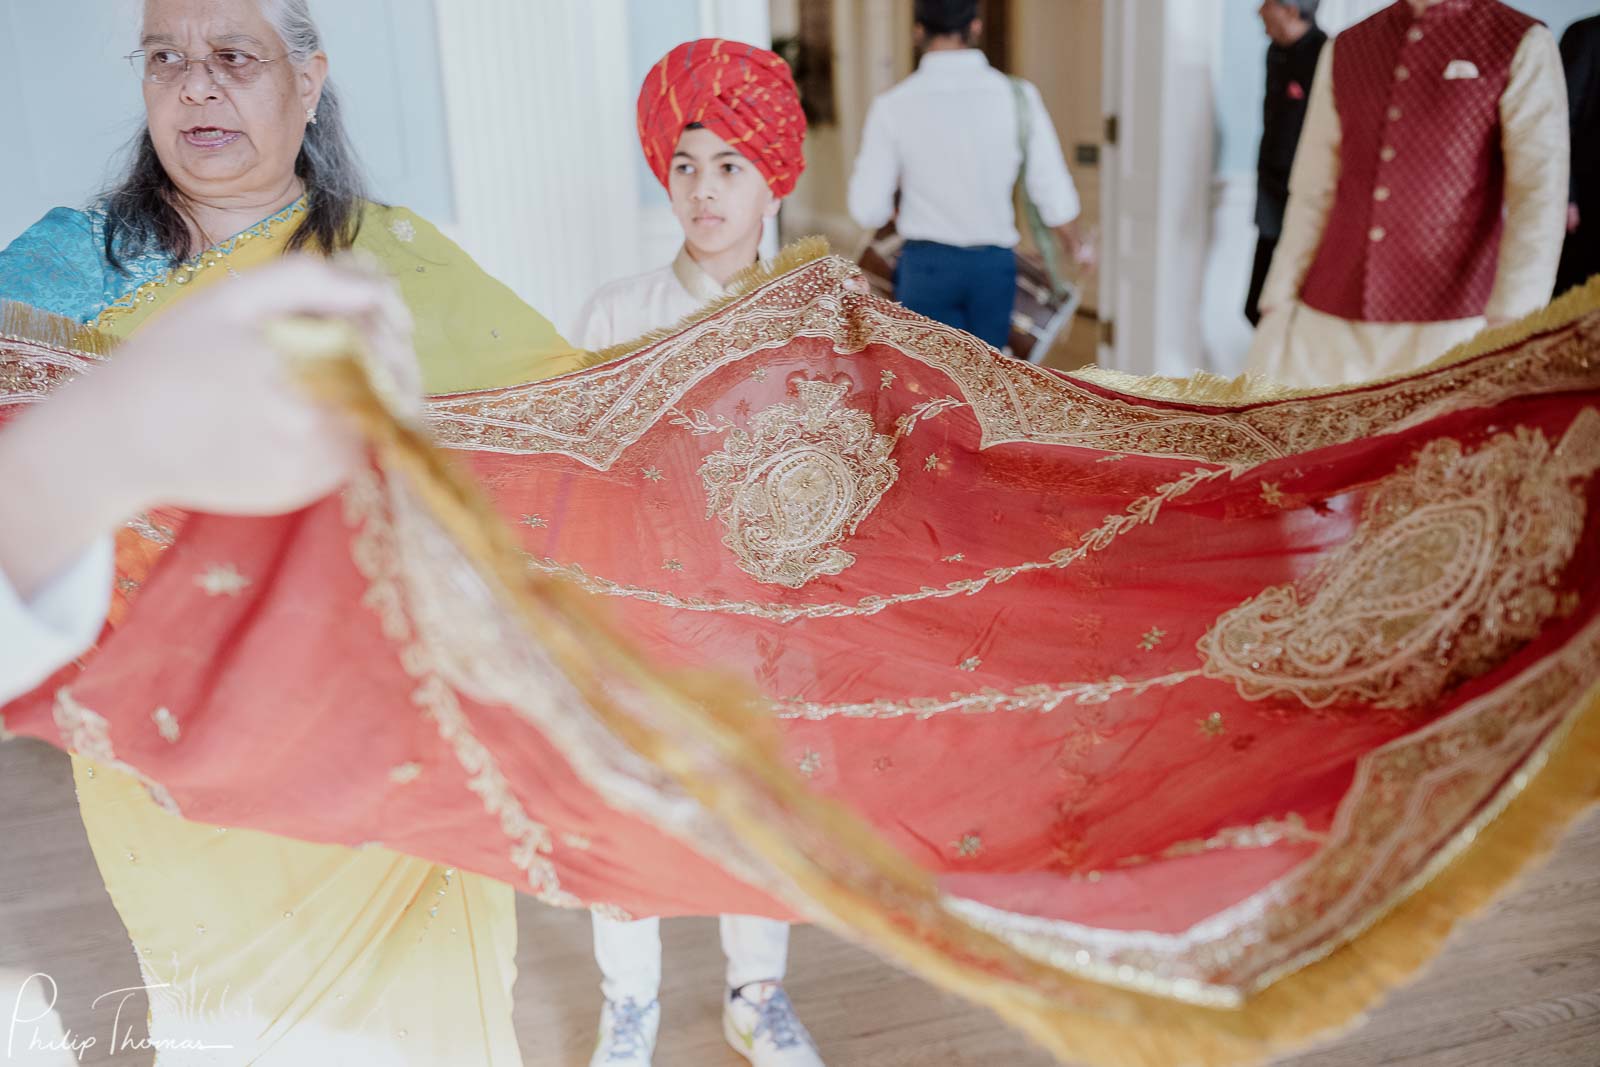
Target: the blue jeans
(972, 289)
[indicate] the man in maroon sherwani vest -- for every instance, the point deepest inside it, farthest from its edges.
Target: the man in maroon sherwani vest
(1429, 195)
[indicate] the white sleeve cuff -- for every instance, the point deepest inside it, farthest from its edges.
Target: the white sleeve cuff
(38, 637)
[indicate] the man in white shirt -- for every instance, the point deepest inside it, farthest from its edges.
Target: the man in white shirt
(165, 423)
(948, 140)
(721, 127)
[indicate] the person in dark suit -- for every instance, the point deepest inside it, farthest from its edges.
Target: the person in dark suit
(1291, 61)
(1580, 55)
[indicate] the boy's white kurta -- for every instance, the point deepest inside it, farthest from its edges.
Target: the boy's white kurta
(629, 953)
(633, 307)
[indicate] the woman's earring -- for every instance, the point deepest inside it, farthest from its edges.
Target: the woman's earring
(311, 115)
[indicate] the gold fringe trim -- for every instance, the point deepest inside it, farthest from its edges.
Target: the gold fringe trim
(23, 322)
(801, 253)
(1213, 389)
(863, 887)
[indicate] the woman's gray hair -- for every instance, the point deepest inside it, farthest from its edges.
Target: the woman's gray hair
(144, 208)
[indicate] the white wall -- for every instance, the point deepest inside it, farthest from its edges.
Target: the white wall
(1154, 182)
(552, 193)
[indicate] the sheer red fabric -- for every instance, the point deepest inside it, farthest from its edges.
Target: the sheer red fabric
(1177, 693)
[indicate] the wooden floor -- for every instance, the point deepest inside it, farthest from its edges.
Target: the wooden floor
(1519, 987)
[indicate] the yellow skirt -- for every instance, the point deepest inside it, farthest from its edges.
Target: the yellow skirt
(266, 951)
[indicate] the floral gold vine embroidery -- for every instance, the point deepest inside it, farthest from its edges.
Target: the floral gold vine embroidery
(1143, 511)
(1029, 698)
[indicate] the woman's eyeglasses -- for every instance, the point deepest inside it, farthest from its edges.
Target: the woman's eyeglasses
(229, 68)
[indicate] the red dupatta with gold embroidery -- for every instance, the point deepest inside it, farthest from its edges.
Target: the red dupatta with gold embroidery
(1170, 720)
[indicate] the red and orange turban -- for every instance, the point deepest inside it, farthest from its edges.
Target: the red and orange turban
(743, 94)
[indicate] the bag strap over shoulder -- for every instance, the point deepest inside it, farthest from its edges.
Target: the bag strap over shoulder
(1043, 237)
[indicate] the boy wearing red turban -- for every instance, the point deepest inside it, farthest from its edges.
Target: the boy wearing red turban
(722, 129)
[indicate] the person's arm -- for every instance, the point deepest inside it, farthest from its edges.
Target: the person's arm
(166, 421)
(1580, 60)
(1049, 182)
(876, 176)
(1312, 182)
(1576, 71)
(61, 618)
(1534, 141)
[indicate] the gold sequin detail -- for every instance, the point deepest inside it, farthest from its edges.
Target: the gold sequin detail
(185, 272)
(166, 724)
(405, 773)
(222, 579)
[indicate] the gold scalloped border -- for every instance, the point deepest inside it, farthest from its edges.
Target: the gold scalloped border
(1205, 388)
(27, 324)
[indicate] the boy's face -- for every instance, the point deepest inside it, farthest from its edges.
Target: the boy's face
(719, 197)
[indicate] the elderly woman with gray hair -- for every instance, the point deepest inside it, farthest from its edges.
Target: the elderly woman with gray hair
(278, 950)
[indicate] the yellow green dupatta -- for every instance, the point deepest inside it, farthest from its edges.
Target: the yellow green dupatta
(472, 332)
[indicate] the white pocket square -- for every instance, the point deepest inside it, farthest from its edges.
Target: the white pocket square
(1460, 70)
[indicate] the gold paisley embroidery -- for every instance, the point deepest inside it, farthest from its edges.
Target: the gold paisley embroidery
(1456, 563)
(797, 483)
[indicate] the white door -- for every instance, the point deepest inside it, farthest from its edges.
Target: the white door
(1156, 181)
